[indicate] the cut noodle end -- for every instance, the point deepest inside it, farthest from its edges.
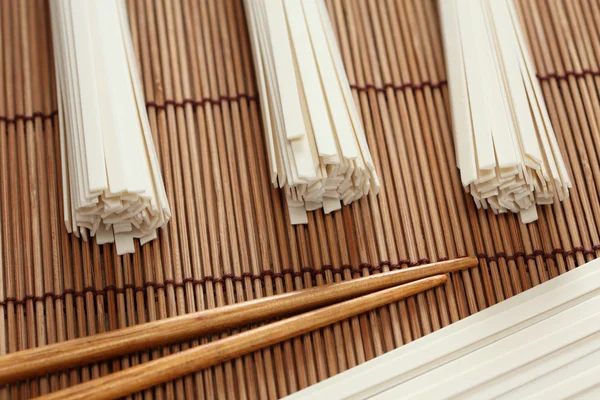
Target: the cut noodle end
(112, 185)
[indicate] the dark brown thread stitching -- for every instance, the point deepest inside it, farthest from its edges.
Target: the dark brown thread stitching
(26, 118)
(436, 85)
(313, 272)
(220, 99)
(404, 86)
(201, 102)
(217, 101)
(566, 75)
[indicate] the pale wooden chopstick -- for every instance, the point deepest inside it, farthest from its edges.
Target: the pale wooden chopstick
(179, 364)
(42, 360)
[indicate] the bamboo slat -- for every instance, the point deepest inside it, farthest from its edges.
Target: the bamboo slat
(229, 239)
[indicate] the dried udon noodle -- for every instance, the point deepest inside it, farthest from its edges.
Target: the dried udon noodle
(112, 185)
(317, 148)
(506, 148)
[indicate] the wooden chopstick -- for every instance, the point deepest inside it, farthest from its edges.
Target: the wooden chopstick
(179, 364)
(46, 359)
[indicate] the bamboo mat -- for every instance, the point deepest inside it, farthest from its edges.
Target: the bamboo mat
(229, 239)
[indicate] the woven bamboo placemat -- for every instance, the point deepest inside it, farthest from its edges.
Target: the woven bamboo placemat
(229, 239)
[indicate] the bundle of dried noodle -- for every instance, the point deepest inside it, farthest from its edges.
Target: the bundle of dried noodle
(506, 149)
(112, 185)
(317, 148)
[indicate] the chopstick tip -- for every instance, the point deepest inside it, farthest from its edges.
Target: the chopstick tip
(471, 261)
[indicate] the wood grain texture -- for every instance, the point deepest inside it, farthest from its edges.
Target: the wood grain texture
(60, 356)
(224, 247)
(171, 367)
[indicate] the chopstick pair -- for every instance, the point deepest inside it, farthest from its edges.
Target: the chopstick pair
(51, 358)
